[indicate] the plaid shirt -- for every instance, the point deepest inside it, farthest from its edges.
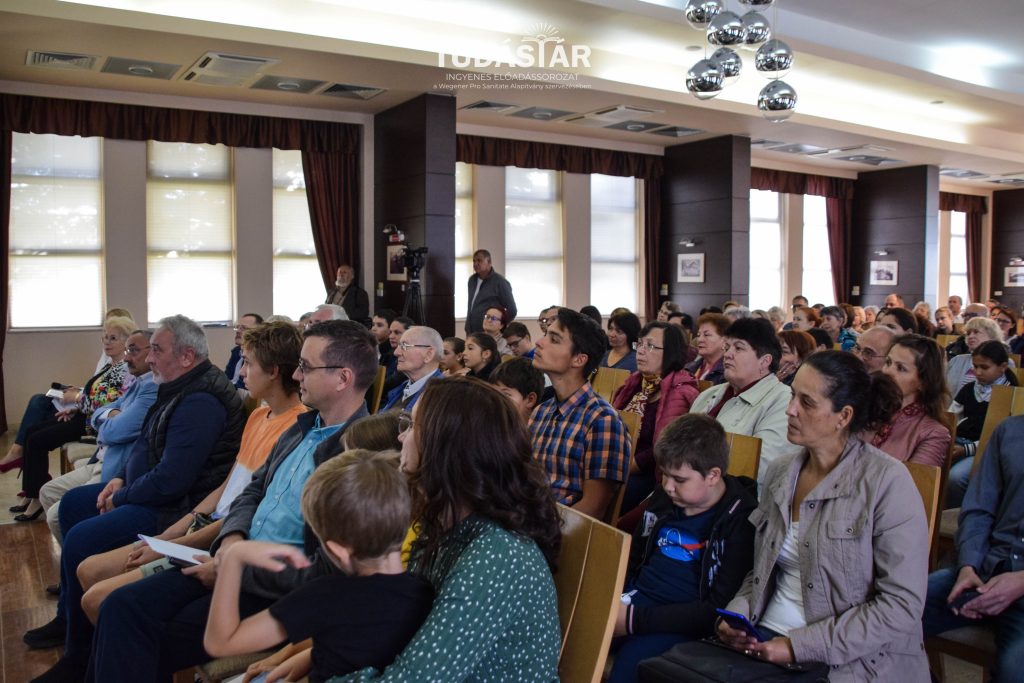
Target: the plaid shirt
(580, 438)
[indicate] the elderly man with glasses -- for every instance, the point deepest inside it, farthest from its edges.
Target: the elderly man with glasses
(419, 354)
(873, 346)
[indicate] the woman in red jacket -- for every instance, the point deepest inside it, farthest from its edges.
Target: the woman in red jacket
(659, 391)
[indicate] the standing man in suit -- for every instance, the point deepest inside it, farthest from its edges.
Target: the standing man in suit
(349, 295)
(487, 289)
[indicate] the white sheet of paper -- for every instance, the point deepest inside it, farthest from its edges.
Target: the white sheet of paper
(175, 551)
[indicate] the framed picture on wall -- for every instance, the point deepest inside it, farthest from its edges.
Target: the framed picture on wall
(396, 263)
(885, 273)
(1013, 276)
(691, 268)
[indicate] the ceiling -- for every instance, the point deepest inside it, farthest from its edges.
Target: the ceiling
(917, 81)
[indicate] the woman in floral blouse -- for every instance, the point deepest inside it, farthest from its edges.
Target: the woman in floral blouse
(489, 535)
(72, 422)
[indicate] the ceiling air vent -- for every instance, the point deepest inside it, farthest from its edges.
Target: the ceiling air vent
(61, 60)
(961, 173)
(869, 159)
(637, 126)
(490, 107)
(140, 67)
(766, 144)
(287, 84)
(542, 113)
(800, 148)
(353, 92)
(677, 132)
(218, 68)
(610, 116)
(858, 150)
(1009, 179)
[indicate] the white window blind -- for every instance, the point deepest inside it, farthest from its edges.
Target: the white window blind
(765, 249)
(56, 245)
(958, 255)
(817, 261)
(189, 231)
(533, 237)
(615, 220)
(465, 234)
(298, 286)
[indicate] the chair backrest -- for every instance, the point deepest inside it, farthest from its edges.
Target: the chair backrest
(744, 455)
(945, 340)
(591, 571)
(1019, 372)
(704, 384)
(377, 388)
(1015, 357)
(607, 381)
(929, 482)
(999, 408)
(1017, 405)
(632, 423)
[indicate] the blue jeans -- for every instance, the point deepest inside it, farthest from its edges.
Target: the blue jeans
(38, 409)
(1009, 626)
(87, 533)
(634, 649)
(959, 478)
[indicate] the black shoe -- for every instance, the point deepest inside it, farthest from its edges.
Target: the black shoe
(19, 508)
(50, 635)
(53, 589)
(64, 671)
(28, 518)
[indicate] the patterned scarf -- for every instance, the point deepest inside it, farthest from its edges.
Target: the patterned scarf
(913, 410)
(983, 392)
(638, 403)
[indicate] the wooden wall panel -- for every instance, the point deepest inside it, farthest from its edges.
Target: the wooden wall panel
(1007, 242)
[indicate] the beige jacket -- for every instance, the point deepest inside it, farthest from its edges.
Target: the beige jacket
(863, 565)
(759, 411)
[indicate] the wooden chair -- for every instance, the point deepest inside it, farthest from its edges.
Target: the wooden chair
(945, 340)
(1015, 357)
(377, 389)
(607, 381)
(632, 423)
(588, 583)
(929, 481)
(1019, 372)
(704, 384)
(744, 455)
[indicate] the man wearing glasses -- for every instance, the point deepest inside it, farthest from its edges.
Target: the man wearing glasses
(873, 346)
(337, 364)
(419, 354)
(114, 437)
(487, 289)
(517, 336)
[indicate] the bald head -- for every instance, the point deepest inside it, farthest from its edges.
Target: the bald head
(873, 346)
(419, 352)
(975, 311)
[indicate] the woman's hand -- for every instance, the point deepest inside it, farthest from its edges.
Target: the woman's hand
(65, 415)
(140, 556)
(71, 395)
(735, 638)
(778, 650)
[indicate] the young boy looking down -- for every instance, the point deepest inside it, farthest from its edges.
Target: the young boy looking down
(358, 505)
(692, 548)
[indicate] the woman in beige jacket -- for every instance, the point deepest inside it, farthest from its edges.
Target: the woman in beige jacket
(841, 552)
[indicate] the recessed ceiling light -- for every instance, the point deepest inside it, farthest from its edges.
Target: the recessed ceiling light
(635, 126)
(541, 115)
(937, 102)
(140, 70)
(288, 85)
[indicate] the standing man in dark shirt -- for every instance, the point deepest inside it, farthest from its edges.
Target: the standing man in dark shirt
(349, 295)
(487, 289)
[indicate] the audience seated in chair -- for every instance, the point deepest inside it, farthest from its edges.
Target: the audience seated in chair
(481, 355)
(164, 615)
(753, 401)
(658, 392)
(519, 341)
(917, 432)
(521, 383)
(117, 425)
(623, 330)
(692, 549)
(711, 329)
(246, 321)
(988, 555)
(494, 321)
(188, 442)
(873, 346)
(959, 346)
(451, 359)
(796, 346)
(418, 354)
(577, 436)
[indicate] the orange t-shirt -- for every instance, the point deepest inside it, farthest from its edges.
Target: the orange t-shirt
(262, 432)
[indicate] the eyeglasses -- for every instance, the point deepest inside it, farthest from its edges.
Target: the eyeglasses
(492, 318)
(110, 338)
(132, 350)
(404, 422)
(240, 328)
(513, 342)
(305, 369)
(648, 346)
(866, 353)
(405, 346)
(1003, 321)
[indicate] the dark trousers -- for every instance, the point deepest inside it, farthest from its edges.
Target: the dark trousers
(152, 628)
(86, 533)
(42, 438)
(38, 409)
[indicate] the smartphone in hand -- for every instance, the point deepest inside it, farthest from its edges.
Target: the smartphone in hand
(964, 598)
(740, 623)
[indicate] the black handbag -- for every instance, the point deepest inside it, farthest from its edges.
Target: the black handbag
(710, 661)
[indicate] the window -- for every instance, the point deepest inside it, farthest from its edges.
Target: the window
(958, 255)
(533, 237)
(55, 231)
(614, 242)
(465, 234)
(189, 217)
(297, 277)
(765, 249)
(817, 266)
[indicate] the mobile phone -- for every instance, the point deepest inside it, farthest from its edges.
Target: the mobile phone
(964, 598)
(741, 623)
(58, 386)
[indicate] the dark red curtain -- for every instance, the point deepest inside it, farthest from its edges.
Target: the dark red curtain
(5, 244)
(330, 158)
(474, 149)
(838, 193)
(975, 207)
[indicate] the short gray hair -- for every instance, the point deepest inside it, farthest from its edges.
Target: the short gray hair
(776, 314)
(188, 334)
(337, 312)
(737, 312)
(429, 336)
(987, 325)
